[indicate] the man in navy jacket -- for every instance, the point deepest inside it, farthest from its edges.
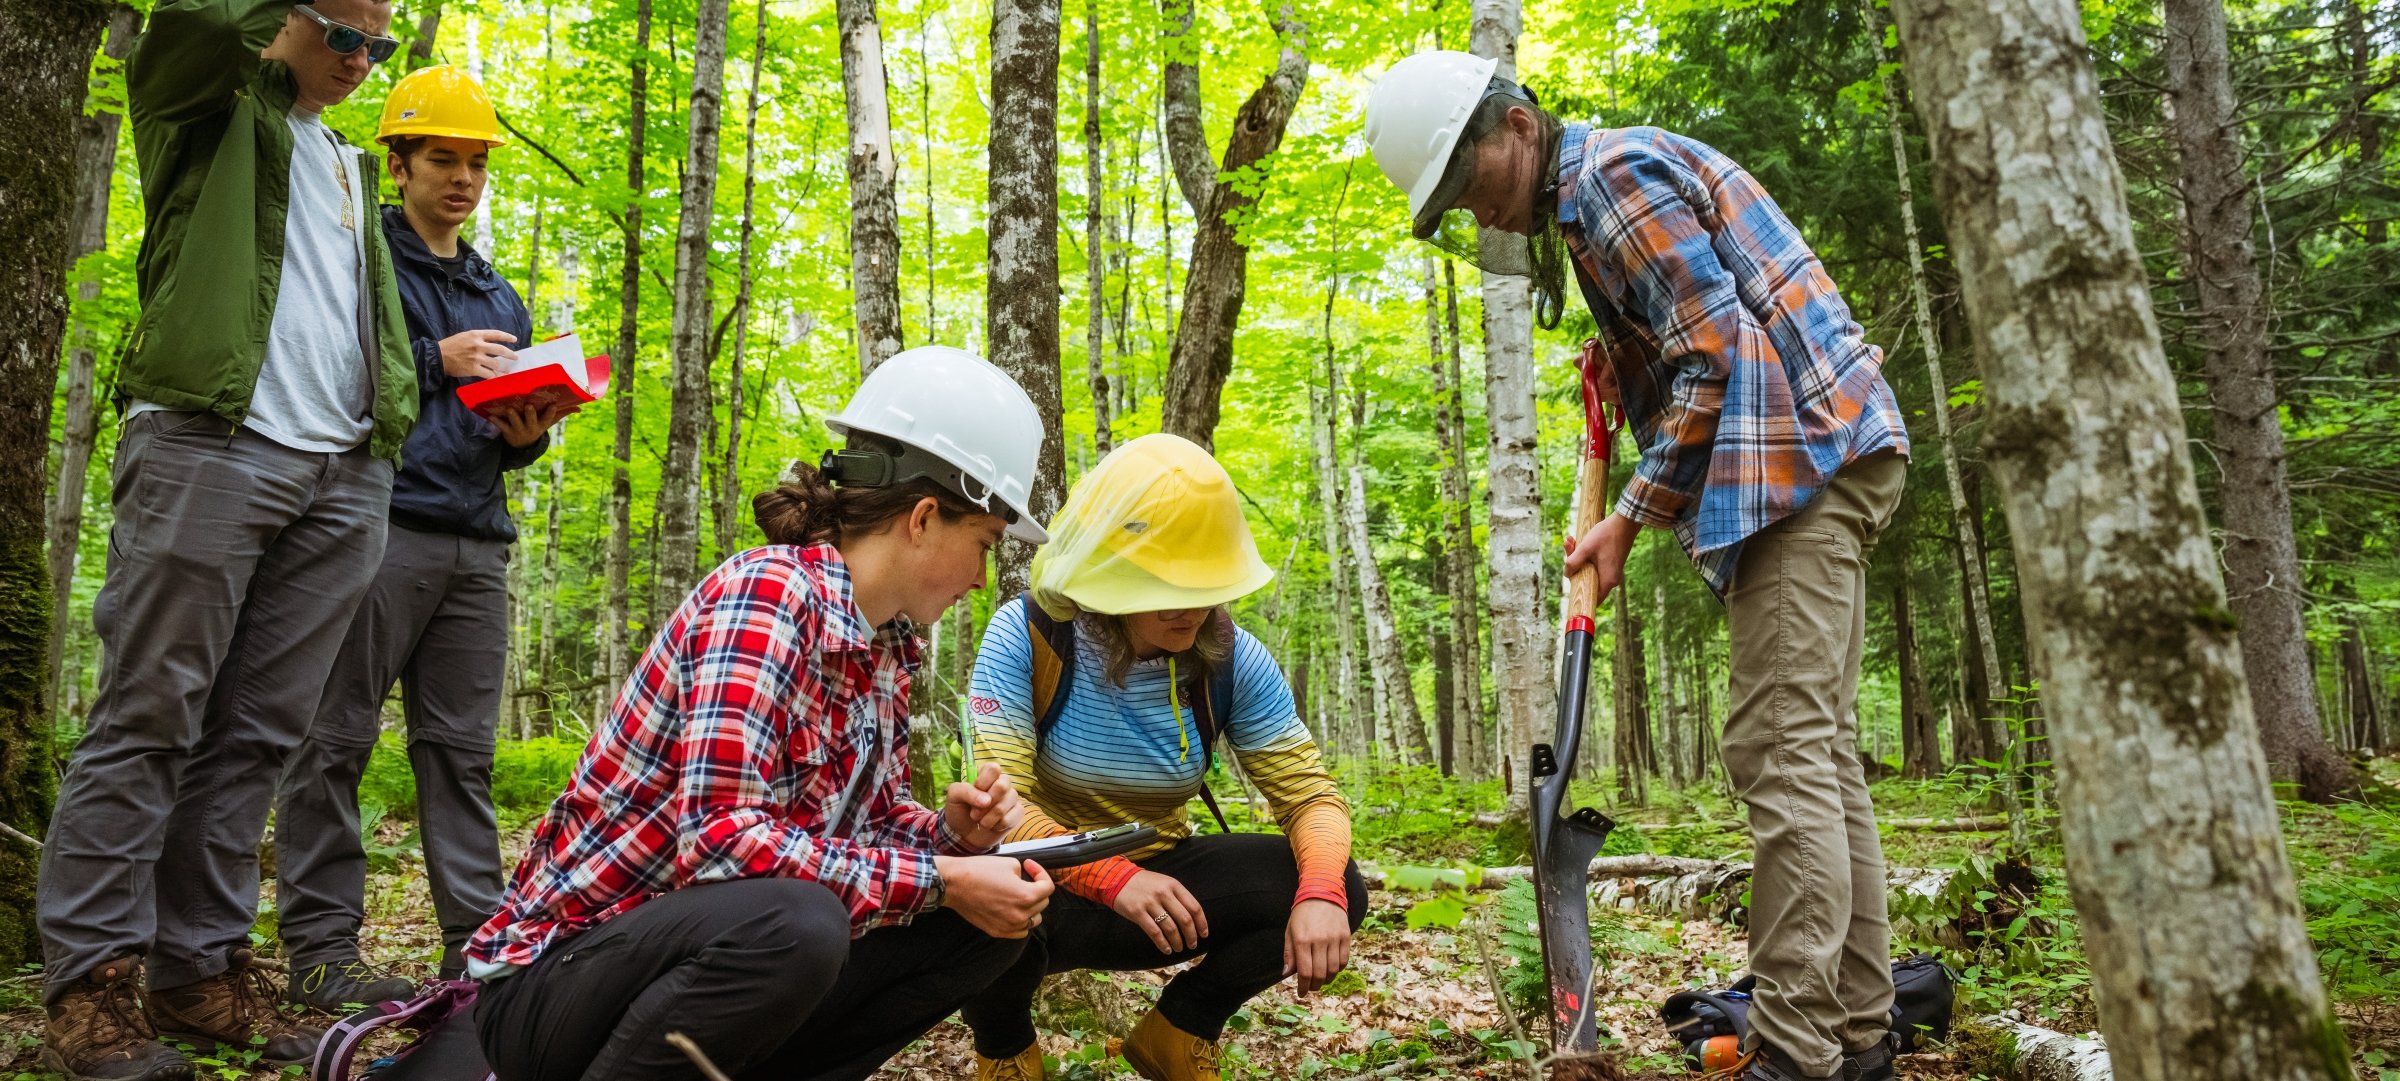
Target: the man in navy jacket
(436, 618)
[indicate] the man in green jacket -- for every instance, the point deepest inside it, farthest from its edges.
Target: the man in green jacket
(266, 394)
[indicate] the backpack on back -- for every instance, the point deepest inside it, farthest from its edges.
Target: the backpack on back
(1054, 681)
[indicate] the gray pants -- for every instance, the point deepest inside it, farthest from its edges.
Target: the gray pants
(233, 565)
(1820, 938)
(436, 620)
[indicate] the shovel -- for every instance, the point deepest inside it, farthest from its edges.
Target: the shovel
(1564, 843)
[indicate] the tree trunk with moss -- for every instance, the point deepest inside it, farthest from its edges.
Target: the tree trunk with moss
(616, 657)
(2200, 959)
(689, 411)
(2262, 559)
(46, 49)
(1021, 290)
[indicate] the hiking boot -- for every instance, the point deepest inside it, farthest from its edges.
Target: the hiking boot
(1872, 1064)
(1025, 1065)
(98, 1032)
(1765, 1063)
(1159, 1051)
(341, 987)
(239, 1008)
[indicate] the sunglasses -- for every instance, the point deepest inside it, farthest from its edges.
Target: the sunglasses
(349, 39)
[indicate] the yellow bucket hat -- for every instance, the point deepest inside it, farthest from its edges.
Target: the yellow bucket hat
(1156, 526)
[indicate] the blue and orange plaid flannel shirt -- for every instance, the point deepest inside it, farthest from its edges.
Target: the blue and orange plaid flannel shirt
(725, 757)
(1746, 382)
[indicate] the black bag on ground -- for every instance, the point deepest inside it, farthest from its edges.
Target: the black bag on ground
(1922, 993)
(445, 1048)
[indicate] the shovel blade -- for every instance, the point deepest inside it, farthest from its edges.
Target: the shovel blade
(1563, 851)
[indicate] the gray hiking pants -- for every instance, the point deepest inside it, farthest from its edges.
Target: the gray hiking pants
(1820, 938)
(436, 620)
(233, 565)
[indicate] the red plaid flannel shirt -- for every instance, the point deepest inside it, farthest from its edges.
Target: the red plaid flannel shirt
(726, 757)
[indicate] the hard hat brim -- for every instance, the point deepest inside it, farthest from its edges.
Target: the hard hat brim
(494, 140)
(1130, 592)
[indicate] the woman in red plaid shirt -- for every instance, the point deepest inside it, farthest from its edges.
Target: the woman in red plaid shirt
(737, 857)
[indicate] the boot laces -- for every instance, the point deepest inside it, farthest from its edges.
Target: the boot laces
(255, 996)
(116, 1011)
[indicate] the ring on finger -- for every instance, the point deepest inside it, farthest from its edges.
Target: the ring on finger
(1158, 917)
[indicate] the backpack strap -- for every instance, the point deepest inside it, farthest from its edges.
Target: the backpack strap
(1210, 707)
(1053, 665)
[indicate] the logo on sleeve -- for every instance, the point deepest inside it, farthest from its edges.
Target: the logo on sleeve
(983, 707)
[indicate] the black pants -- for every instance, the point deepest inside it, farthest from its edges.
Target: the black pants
(761, 973)
(1244, 883)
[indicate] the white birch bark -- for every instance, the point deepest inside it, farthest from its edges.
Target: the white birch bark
(1519, 656)
(2200, 961)
(874, 209)
(1396, 697)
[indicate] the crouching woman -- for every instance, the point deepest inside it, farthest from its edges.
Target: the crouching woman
(737, 857)
(1103, 701)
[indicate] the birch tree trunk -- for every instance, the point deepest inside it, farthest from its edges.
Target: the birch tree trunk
(1202, 356)
(615, 660)
(729, 495)
(1520, 666)
(2262, 560)
(1965, 538)
(1397, 697)
(679, 477)
(1021, 317)
(95, 169)
(1324, 421)
(46, 50)
(1095, 262)
(874, 209)
(2200, 961)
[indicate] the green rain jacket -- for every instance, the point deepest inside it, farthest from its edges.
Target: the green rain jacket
(215, 152)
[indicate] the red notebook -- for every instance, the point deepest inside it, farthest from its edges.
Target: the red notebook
(555, 371)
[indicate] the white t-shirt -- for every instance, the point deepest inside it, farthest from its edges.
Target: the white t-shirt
(313, 392)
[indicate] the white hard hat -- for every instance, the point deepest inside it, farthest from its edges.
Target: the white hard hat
(958, 408)
(1415, 114)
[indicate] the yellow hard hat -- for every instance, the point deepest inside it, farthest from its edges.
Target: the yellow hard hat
(439, 101)
(1156, 526)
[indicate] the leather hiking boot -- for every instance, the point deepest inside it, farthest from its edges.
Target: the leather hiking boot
(1159, 1051)
(1872, 1064)
(238, 1009)
(98, 1031)
(1025, 1065)
(1765, 1063)
(341, 987)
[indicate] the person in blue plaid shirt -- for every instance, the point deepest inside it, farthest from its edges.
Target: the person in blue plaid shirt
(1770, 445)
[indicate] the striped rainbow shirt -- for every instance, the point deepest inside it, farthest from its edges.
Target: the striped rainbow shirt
(1120, 754)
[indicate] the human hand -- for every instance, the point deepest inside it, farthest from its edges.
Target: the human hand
(477, 354)
(983, 812)
(521, 425)
(1002, 897)
(1164, 910)
(1603, 550)
(1316, 943)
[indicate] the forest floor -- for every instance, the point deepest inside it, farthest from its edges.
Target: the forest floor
(1423, 1001)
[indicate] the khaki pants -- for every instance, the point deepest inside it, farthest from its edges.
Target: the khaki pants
(1820, 940)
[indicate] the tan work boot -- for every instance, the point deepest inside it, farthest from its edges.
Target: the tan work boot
(240, 1008)
(1025, 1066)
(98, 1032)
(1159, 1051)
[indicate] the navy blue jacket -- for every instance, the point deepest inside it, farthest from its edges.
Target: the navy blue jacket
(449, 479)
